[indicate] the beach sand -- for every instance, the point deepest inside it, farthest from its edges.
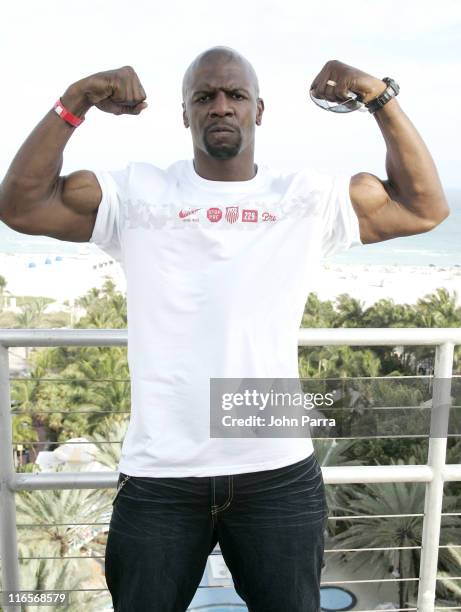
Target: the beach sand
(73, 276)
(403, 284)
(63, 280)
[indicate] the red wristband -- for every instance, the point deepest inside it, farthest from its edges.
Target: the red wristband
(65, 114)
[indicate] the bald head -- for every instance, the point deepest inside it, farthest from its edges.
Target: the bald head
(215, 56)
(221, 104)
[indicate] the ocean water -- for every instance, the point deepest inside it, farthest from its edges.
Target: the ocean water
(15, 243)
(440, 247)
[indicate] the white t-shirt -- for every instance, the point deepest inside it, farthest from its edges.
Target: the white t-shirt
(217, 275)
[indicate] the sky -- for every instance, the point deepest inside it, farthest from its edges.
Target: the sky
(45, 45)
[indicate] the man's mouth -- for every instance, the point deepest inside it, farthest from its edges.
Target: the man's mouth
(221, 128)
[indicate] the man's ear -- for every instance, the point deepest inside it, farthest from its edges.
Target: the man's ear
(184, 116)
(259, 110)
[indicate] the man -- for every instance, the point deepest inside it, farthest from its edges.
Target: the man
(219, 254)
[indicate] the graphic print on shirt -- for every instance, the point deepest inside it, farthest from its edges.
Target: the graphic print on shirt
(214, 214)
(249, 215)
(142, 214)
(153, 208)
(186, 213)
(232, 213)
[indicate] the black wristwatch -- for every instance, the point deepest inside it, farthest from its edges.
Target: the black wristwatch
(391, 91)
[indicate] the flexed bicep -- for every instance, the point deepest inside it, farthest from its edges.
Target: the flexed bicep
(381, 215)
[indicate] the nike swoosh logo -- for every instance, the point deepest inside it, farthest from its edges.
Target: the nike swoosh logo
(186, 213)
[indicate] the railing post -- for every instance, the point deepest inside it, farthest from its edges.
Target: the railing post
(8, 531)
(441, 400)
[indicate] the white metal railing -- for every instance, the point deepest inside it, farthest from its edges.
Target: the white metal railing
(435, 473)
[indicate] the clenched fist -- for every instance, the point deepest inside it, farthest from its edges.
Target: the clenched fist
(336, 80)
(114, 91)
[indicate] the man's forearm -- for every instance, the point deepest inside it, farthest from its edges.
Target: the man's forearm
(412, 175)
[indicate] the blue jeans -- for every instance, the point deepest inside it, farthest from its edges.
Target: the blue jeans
(269, 526)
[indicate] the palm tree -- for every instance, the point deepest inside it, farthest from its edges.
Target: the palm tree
(87, 511)
(27, 317)
(112, 429)
(385, 313)
(350, 311)
(106, 364)
(318, 313)
(24, 395)
(449, 588)
(23, 430)
(438, 309)
(32, 312)
(331, 452)
(40, 304)
(91, 378)
(372, 500)
(60, 575)
(345, 362)
(73, 522)
(104, 307)
(31, 315)
(97, 378)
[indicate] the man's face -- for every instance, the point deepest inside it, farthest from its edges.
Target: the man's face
(221, 108)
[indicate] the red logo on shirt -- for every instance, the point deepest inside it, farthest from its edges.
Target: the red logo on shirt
(250, 216)
(232, 213)
(214, 214)
(186, 213)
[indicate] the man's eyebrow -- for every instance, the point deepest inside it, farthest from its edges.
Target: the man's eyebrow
(208, 88)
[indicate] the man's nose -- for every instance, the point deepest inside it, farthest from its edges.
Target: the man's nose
(221, 106)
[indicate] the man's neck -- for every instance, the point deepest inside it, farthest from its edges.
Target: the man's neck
(235, 169)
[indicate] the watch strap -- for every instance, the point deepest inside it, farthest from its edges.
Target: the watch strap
(390, 92)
